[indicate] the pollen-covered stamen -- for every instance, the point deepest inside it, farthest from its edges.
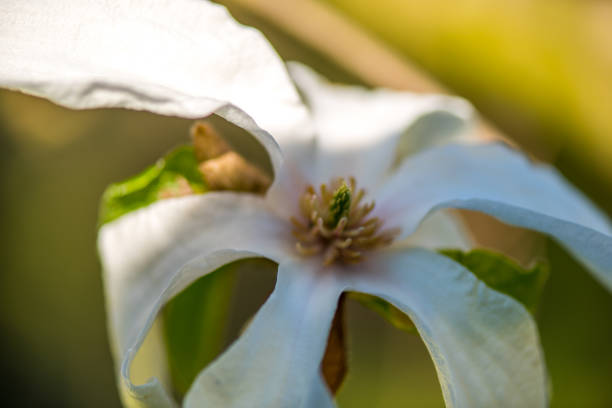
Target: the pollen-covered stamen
(334, 223)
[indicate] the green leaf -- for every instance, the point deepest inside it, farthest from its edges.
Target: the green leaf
(194, 325)
(165, 176)
(389, 312)
(504, 275)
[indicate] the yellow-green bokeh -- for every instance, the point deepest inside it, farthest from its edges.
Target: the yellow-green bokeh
(539, 69)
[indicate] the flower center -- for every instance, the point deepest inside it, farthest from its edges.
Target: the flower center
(333, 222)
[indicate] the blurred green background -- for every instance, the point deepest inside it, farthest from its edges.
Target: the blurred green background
(540, 70)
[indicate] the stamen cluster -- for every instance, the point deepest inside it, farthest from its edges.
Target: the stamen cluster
(335, 223)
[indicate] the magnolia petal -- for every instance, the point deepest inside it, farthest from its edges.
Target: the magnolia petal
(186, 58)
(276, 361)
(484, 344)
(359, 130)
(151, 254)
(290, 183)
(442, 229)
(501, 182)
(319, 395)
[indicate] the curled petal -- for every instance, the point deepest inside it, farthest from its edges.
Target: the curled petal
(360, 132)
(151, 254)
(484, 344)
(501, 182)
(185, 58)
(276, 361)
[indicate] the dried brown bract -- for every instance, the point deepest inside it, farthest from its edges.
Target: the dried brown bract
(223, 168)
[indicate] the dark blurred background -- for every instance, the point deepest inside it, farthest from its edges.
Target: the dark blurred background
(539, 70)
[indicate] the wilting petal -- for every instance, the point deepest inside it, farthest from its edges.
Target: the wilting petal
(484, 344)
(185, 58)
(276, 361)
(501, 182)
(359, 130)
(152, 254)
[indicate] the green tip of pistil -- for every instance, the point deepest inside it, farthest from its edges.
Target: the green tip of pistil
(340, 205)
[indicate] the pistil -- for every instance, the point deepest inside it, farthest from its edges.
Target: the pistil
(334, 223)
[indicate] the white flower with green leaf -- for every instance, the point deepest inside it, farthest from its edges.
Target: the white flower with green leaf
(362, 181)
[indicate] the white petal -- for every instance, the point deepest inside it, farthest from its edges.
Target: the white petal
(441, 229)
(289, 184)
(152, 254)
(484, 344)
(185, 58)
(277, 359)
(359, 130)
(319, 395)
(499, 181)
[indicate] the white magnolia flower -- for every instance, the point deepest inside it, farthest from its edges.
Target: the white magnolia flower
(189, 58)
